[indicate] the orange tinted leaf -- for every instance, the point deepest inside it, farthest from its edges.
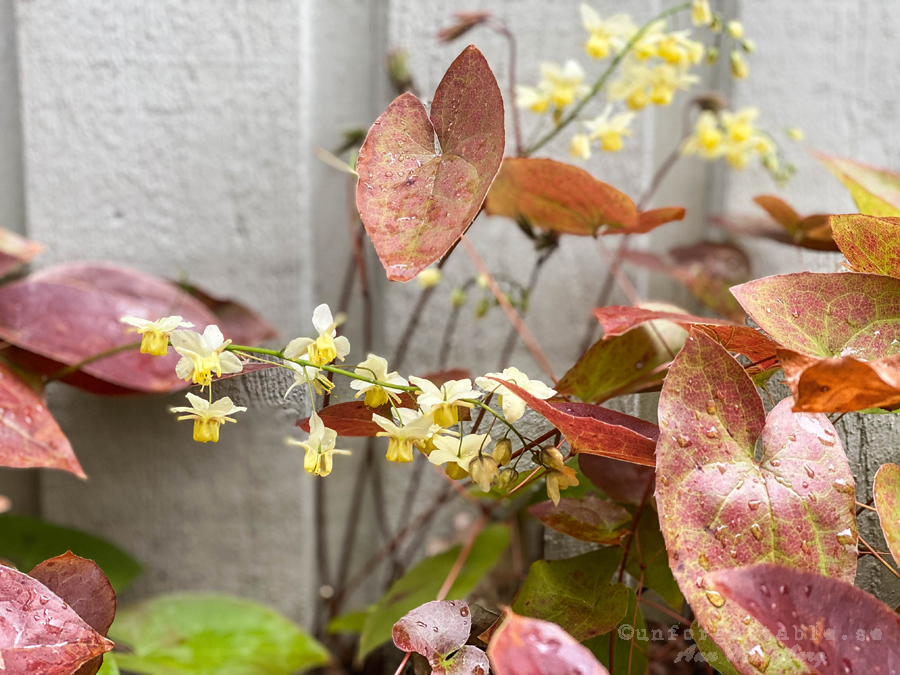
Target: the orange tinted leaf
(597, 431)
(781, 212)
(887, 503)
(870, 244)
(875, 191)
(650, 220)
(812, 232)
(415, 202)
(589, 519)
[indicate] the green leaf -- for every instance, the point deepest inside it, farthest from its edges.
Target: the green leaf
(349, 622)
(423, 582)
(632, 650)
(875, 191)
(25, 542)
(870, 244)
(589, 519)
(711, 652)
(575, 593)
(110, 665)
(647, 559)
(207, 634)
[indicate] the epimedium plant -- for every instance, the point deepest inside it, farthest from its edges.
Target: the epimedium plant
(737, 525)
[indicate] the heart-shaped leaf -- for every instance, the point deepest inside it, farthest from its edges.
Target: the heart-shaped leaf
(597, 431)
(81, 584)
(870, 244)
(887, 503)
(831, 625)
(39, 632)
(875, 191)
(438, 631)
(523, 646)
(812, 232)
(15, 251)
(827, 314)
(29, 436)
(63, 315)
(414, 200)
(720, 507)
(575, 593)
(623, 482)
(589, 519)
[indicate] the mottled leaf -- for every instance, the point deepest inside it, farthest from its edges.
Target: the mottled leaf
(812, 232)
(629, 653)
(623, 482)
(239, 323)
(63, 315)
(81, 584)
(887, 502)
(438, 630)
(875, 191)
(207, 634)
(558, 197)
(597, 431)
(523, 646)
(29, 436)
(575, 593)
(27, 542)
(711, 652)
(422, 583)
(588, 519)
(827, 314)
(468, 660)
(15, 251)
(415, 201)
(720, 507)
(870, 244)
(39, 632)
(831, 625)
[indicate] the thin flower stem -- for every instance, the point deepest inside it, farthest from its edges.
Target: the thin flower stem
(74, 368)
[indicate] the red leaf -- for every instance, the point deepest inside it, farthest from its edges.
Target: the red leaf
(524, 646)
(354, 418)
(82, 585)
(622, 482)
(29, 436)
(837, 628)
(55, 644)
(597, 431)
(65, 314)
(441, 377)
(416, 202)
(590, 519)
(15, 251)
(239, 323)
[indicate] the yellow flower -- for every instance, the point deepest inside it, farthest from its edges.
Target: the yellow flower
(606, 36)
(536, 99)
(319, 447)
(429, 278)
(444, 402)
(632, 84)
(701, 14)
(325, 348)
(414, 428)
(739, 125)
(207, 416)
(459, 451)
(375, 368)
(676, 48)
(559, 476)
(310, 375)
(558, 86)
(706, 141)
(580, 146)
(735, 29)
(609, 130)
(203, 355)
(155, 334)
(513, 407)
(665, 79)
(738, 66)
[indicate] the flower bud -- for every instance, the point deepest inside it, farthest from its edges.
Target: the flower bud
(507, 479)
(712, 55)
(429, 278)
(457, 297)
(482, 308)
(735, 29)
(738, 67)
(465, 21)
(484, 470)
(502, 451)
(552, 458)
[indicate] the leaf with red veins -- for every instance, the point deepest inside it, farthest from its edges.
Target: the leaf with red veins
(438, 631)
(870, 244)
(589, 519)
(523, 646)
(827, 315)
(887, 503)
(63, 315)
(875, 191)
(721, 508)
(594, 430)
(39, 632)
(837, 628)
(416, 201)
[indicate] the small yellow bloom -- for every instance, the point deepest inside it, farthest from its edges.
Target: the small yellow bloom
(325, 348)
(608, 36)
(739, 125)
(795, 134)
(580, 146)
(428, 278)
(308, 375)
(444, 402)
(559, 476)
(203, 355)
(155, 334)
(609, 129)
(735, 29)
(319, 447)
(414, 428)
(738, 66)
(375, 368)
(513, 407)
(207, 416)
(535, 99)
(701, 14)
(707, 139)
(558, 86)
(459, 451)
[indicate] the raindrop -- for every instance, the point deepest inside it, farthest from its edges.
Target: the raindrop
(764, 590)
(792, 438)
(754, 504)
(848, 667)
(758, 658)
(716, 598)
(712, 432)
(464, 611)
(805, 484)
(804, 546)
(665, 481)
(843, 486)
(756, 531)
(703, 560)
(776, 462)
(721, 467)
(746, 620)
(684, 441)
(845, 537)
(711, 407)
(809, 471)
(421, 624)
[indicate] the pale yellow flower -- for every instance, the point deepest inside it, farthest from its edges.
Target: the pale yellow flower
(607, 37)
(678, 49)
(558, 86)
(155, 334)
(513, 407)
(559, 476)
(319, 447)
(413, 428)
(375, 368)
(444, 402)
(666, 79)
(609, 129)
(580, 146)
(203, 355)
(707, 139)
(308, 375)
(701, 14)
(325, 348)
(459, 451)
(429, 278)
(735, 29)
(208, 417)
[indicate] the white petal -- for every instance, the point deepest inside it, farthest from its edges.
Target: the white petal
(135, 321)
(184, 368)
(197, 402)
(322, 319)
(297, 346)
(212, 337)
(189, 340)
(230, 363)
(342, 346)
(513, 408)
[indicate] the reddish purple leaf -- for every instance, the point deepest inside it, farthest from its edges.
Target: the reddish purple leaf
(832, 626)
(721, 508)
(590, 519)
(354, 418)
(523, 646)
(870, 244)
(63, 315)
(438, 630)
(239, 323)
(15, 251)
(597, 431)
(415, 201)
(39, 633)
(81, 584)
(887, 503)
(623, 482)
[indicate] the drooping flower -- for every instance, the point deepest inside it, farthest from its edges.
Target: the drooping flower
(208, 417)
(735, 29)
(559, 476)
(203, 355)
(459, 451)
(155, 334)
(738, 66)
(608, 36)
(666, 79)
(484, 470)
(701, 14)
(514, 407)
(444, 402)
(324, 349)
(375, 368)
(707, 139)
(558, 86)
(319, 447)
(413, 428)
(308, 375)
(609, 129)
